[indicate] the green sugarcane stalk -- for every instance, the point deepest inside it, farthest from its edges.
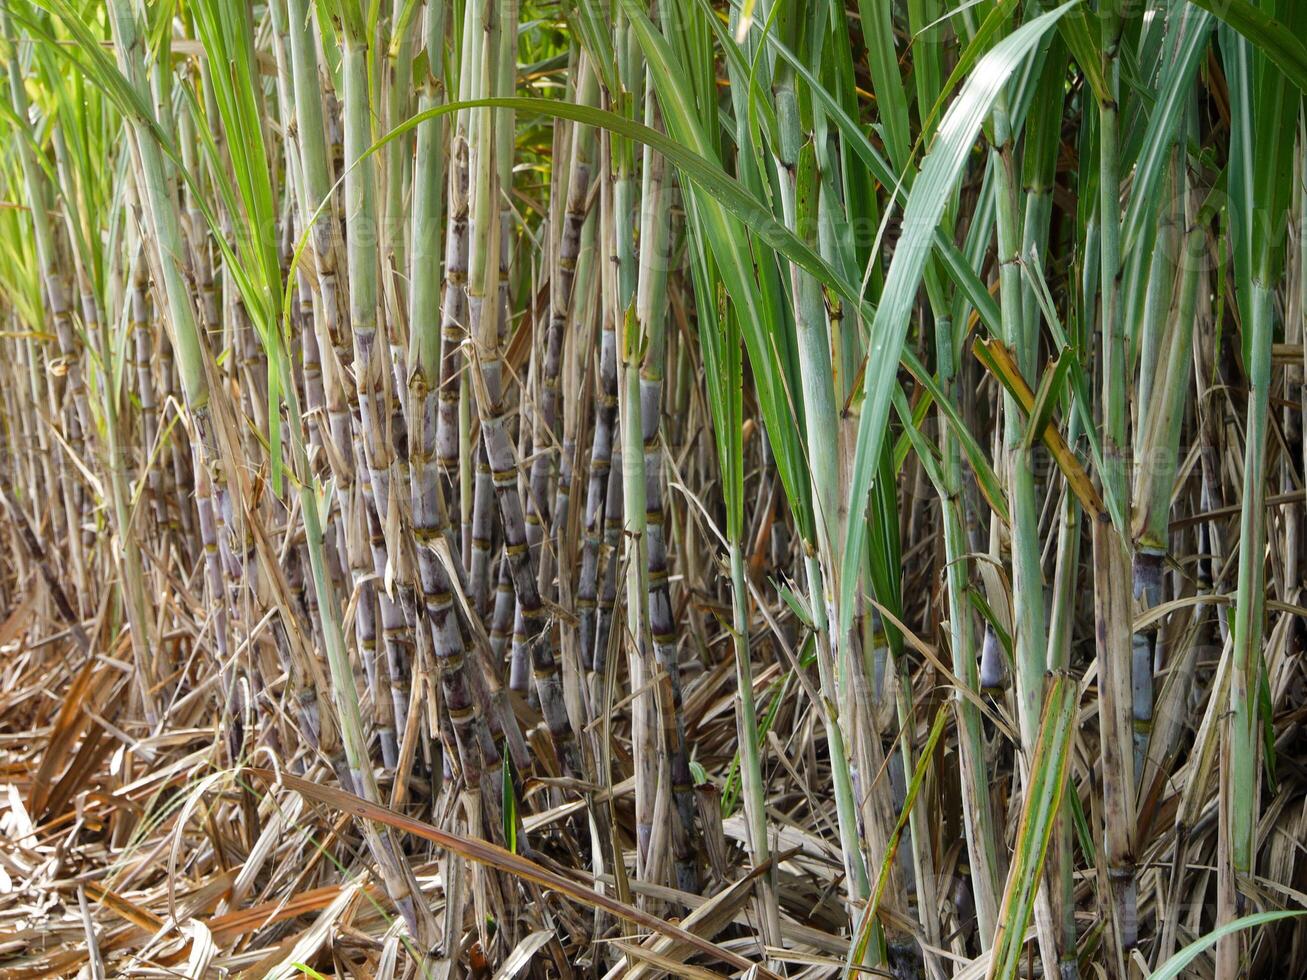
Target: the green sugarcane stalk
(646, 738)
(184, 334)
(799, 206)
(624, 273)
(1055, 902)
(375, 545)
(397, 83)
(746, 716)
(483, 44)
(1156, 479)
(1153, 469)
(1111, 551)
(1061, 873)
(1276, 130)
(1030, 636)
(315, 170)
(986, 861)
(361, 258)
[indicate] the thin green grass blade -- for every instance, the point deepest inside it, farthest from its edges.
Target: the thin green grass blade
(1175, 966)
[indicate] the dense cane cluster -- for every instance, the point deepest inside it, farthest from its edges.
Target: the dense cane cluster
(652, 488)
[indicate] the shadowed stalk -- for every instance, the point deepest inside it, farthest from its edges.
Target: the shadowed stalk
(651, 317)
(593, 652)
(487, 375)
(986, 860)
(65, 383)
(1113, 611)
(1155, 478)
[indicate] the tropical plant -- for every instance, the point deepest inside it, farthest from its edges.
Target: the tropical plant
(819, 484)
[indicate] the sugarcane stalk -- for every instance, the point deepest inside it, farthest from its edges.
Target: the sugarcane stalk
(430, 521)
(601, 458)
(185, 337)
(612, 535)
(370, 375)
(568, 215)
(798, 191)
(651, 314)
(579, 341)
(486, 373)
(145, 650)
(315, 170)
(985, 860)
(1060, 873)
(646, 741)
(746, 721)
(1113, 611)
(142, 348)
(69, 394)
(1030, 633)
(1277, 148)
(1160, 448)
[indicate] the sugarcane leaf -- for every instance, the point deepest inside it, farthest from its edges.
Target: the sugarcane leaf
(1277, 40)
(987, 480)
(1175, 966)
(1044, 792)
(1082, 403)
(1001, 363)
(1266, 714)
(886, 81)
(981, 42)
(926, 451)
(858, 948)
(798, 605)
(589, 23)
(1083, 43)
(1163, 122)
(987, 613)
(1052, 386)
(509, 804)
(957, 265)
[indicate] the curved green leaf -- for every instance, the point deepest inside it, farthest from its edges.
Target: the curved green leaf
(1173, 967)
(1275, 38)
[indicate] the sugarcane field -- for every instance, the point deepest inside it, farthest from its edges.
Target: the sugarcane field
(785, 489)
